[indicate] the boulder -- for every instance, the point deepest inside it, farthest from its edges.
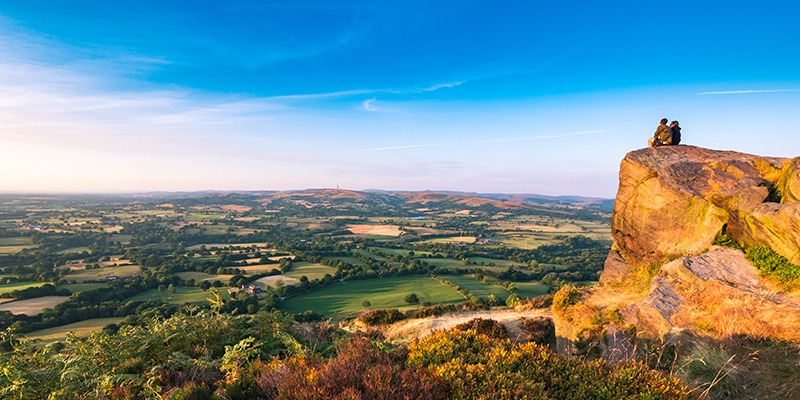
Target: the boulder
(673, 201)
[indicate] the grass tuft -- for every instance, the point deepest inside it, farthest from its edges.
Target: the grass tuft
(773, 265)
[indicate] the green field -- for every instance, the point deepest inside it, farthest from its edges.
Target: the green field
(531, 289)
(256, 269)
(400, 252)
(311, 271)
(80, 249)
(10, 287)
(81, 287)
(451, 239)
(342, 299)
(80, 329)
(477, 287)
(13, 249)
(16, 241)
(183, 294)
(85, 275)
(202, 276)
(446, 263)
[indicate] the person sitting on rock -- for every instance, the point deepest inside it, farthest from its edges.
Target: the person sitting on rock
(675, 131)
(663, 136)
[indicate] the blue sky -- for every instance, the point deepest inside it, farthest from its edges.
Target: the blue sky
(514, 96)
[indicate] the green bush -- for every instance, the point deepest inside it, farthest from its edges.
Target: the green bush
(726, 240)
(381, 317)
(565, 297)
(773, 265)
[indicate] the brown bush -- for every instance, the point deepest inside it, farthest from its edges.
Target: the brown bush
(361, 370)
(488, 327)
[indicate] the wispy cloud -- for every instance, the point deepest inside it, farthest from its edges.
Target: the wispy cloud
(327, 95)
(369, 105)
(746, 91)
(408, 146)
(445, 85)
(541, 137)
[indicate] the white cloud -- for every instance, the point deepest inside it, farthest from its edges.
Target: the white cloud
(438, 86)
(369, 105)
(746, 91)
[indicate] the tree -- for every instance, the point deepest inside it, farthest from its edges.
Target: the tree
(412, 298)
(366, 304)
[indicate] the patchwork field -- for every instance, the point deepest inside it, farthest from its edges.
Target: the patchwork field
(32, 306)
(375, 230)
(530, 290)
(202, 276)
(272, 281)
(451, 239)
(259, 268)
(311, 271)
(12, 245)
(79, 329)
(88, 275)
(477, 287)
(81, 287)
(10, 287)
(342, 299)
(183, 295)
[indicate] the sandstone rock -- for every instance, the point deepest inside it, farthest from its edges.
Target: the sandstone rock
(722, 264)
(773, 225)
(721, 293)
(789, 182)
(614, 269)
(673, 201)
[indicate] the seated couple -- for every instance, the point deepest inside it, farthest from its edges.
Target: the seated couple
(666, 135)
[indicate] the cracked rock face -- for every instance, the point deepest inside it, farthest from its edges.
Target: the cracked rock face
(674, 201)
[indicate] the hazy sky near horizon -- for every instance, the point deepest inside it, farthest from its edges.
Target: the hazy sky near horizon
(481, 96)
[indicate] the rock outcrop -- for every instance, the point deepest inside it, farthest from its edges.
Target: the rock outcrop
(673, 201)
(664, 275)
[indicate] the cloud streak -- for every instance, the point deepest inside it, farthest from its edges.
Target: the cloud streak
(724, 92)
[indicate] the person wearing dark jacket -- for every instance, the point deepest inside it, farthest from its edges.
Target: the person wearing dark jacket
(675, 131)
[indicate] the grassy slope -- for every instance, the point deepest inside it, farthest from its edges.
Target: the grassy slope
(346, 298)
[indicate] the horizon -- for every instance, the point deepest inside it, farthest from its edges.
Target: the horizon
(371, 190)
(512, 98)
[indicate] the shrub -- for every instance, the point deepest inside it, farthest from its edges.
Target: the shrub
(488, 327)
(565, 297)
(412, 298)
(361, 370)
(476, 366)
(775, 266)
(381, 317)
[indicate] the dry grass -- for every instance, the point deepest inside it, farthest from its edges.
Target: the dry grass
(236, 208)
(271, 281)
(378, 230)
(722, 311)
(408, 330)
(32, 306)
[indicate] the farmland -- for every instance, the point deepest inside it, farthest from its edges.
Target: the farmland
(336, 253)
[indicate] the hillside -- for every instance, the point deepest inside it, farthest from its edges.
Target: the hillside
(705, 251)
